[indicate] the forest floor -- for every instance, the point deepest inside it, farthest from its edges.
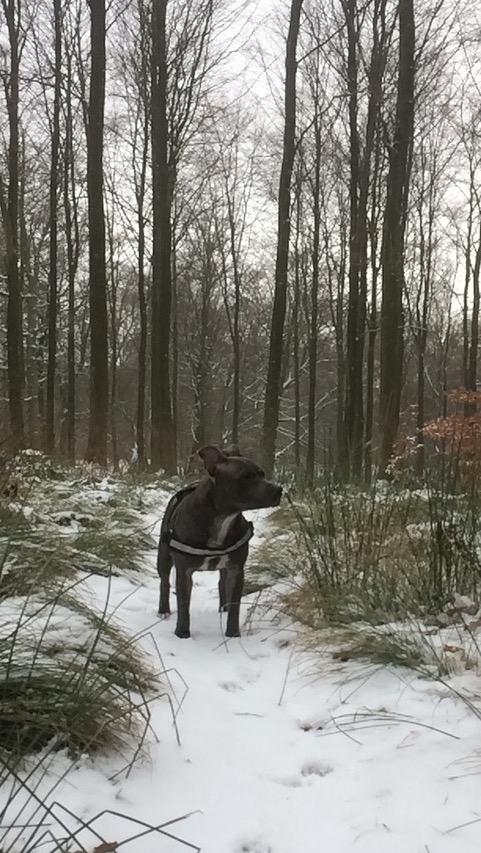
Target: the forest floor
(280, 750)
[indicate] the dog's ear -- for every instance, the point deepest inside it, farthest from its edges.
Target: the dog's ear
(211, 457)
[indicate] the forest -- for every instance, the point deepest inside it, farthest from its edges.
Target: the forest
(241, 237)
(227, 221)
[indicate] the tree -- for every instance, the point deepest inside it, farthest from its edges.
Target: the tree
(162, 426)
(11, 79)
(99, 372)
(72, 238)
(397, 192)
(273, 385)
(53, 203)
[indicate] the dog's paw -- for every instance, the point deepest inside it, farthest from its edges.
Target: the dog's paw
(183, 634)
(163, 614)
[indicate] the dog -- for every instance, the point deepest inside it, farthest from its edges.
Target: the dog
(205, 519)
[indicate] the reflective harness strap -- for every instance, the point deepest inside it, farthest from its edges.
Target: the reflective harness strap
(166, 536)
(212, 552)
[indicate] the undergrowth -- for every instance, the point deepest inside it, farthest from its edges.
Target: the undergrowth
(73, 683)
(394, 565)
(384, 554)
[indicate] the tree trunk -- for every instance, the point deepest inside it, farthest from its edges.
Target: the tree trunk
(296, 330)
(113, 269)
(392, 338)
(141, 180)
(73, 248)
(10, 211)
(175, 343)
(353, 413)
(236, 404)
(162, 431)
(373, 314)
(426, 265)
(33, 427)
(99, 371)
(142, 358)
(467, 277)
(53, 200)
(311, 405)
(474, 338)
(273, 389)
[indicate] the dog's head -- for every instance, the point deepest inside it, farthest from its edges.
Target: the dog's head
(240, 483)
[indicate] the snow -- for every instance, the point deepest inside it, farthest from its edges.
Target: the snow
(281, 751)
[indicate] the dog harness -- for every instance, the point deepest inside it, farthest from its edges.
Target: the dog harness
(167, 534)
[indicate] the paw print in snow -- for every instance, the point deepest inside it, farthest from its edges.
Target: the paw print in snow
(230, 686)
(315, 768)
(254, 845)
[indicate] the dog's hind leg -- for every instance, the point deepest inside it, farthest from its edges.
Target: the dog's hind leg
(164, 565)
(222, 594)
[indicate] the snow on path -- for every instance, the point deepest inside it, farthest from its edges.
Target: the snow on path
(267, 760)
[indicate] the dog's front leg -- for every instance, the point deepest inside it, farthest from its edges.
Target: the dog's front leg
(183, 588)
(164, 565)
(234, 585)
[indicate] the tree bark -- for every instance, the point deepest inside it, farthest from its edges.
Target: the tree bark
(162, 429)
(99, 371)
(273, 387)
(53, 249)
(392, 321)
(73, 249)
(143, 128)
(373, 313)
(10, 215)
(353, 410)
(467, 278)
(311, 403)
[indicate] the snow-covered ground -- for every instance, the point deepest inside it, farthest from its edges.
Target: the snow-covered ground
(281, 753)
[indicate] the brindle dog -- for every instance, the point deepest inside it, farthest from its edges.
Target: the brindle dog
(209, 516)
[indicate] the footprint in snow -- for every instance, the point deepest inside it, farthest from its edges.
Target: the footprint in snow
(315, 768)
(308, 770)
(230, 686)
(254, 845)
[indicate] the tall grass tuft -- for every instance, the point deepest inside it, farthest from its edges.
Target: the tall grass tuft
(80, 690)
(386, 553)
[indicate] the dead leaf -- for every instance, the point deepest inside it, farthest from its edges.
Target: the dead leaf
(454, 649)
(107, 847)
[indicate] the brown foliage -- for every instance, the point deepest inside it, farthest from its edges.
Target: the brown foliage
(460, 432)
